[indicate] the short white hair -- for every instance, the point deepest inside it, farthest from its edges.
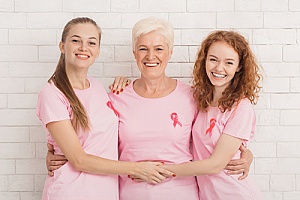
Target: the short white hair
(150, 24)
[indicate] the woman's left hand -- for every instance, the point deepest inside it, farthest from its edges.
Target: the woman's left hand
(242, 165)
(119, 84)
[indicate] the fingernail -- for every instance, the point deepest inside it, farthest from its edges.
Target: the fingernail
(114, 91)
(121, 90)
(118, 92)
(128, 176)
(126, 84)
(174, 175)
(162, 162)
(132, 179)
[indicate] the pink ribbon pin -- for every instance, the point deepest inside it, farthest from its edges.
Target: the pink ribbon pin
(212, 124)
(109, 104)
(174, 117)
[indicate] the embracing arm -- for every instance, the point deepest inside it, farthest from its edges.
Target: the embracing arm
(225, 149)
(66, 138)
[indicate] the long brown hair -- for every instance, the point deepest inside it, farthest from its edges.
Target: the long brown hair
(245, 83)
(60, 79)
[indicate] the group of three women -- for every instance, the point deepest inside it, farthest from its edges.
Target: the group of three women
(143, 134)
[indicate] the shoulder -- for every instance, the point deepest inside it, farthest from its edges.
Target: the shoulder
(184, 87)
(50, 90)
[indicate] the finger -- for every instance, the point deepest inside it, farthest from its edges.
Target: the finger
(53, 168)
(240, 171)
(245, 175)
(243, 148)
(50, 147)
(166, 173)
(50, 173)
(116, 83)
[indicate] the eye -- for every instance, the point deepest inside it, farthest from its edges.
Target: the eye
(229, 63)
(92, 43)
(143, 49)
(75, 40)
(159, 49)
(213, 60)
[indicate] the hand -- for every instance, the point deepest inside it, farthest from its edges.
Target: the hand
(119, 84)
(242, 165)
(150, 172)
(54, 162)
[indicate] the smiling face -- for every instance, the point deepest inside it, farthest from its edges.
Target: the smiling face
(81, 46)
(222, 63)
(152, 55)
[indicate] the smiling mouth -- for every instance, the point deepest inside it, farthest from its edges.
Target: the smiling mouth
(81, 56)
(151, 64)
(218, 75)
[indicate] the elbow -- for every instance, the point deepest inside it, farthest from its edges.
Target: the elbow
(78, 163)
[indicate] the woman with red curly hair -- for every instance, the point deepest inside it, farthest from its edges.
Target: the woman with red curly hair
(226, 83)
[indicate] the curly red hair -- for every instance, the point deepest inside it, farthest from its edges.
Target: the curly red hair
(245, 83)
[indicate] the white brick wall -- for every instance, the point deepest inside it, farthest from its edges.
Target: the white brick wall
(30, 32)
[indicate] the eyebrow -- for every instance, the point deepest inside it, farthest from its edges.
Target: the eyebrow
(88, 38)
(225, 59)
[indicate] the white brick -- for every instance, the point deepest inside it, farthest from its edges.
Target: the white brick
(282, 182)
(277, 166)
(124, 54)
(28, 100)
(87, 6)
(194, 36)
(193, 20)
(129, 19)
(124, 6)
(32, 37)
(281, 20)
(288, 149)
(7, 166)
(262, 181)
(39, 182)
(21, 183)
(38, 6)
(3, 183)
(281, 69)
(285, 101)
(291, 195)
(31, 195)
(12, 20)
(31, 166)
(274, 36)
(187, 69)
(173, 70)
(35, 85)
(290, 117)
(3, 101)
(48, 20)
(96, 70)
(31, 70)
(268, 195)
(295, 85)
(49, 54)
(180, 54)
(102, 19)
(294, 5)
(4, 69)
(276, 85)
(298, 182)
(177, 37)
(290, 53)
(14, 134)
(193, 53)
(117, 69)
(210, 6)
(18, 117)
(41, 150)
(6, 5)
(116, 37)
(4, 36)
(10, 195)
(268, 117)
(268, 53)
(264, 102)
(273, 6)
(263, 149)
(278, 133)
(37, 134)
(11, 85)
(107, 54)
(245, 5)
(18, 53)
(245, 20)
(17, 150)
(162, 6)
(106, 82)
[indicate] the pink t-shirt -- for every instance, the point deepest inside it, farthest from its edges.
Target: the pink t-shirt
(101, 140)
(156, 129)
(240, 123)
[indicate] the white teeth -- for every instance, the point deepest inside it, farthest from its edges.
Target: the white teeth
(82, 56)
(219, 75)
(151, 64)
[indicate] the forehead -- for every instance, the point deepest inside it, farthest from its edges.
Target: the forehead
(84, 30)
(222, 48)
(153, 38)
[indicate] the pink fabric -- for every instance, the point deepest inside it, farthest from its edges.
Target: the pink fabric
(239, 122)
(101, 140)
(156, 130)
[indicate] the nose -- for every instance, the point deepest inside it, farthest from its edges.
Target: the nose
(151, 54)
(219, 66)
(83, 46)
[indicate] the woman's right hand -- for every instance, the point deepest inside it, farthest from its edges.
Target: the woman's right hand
(119, 84)
(150, 172)
(54, 162)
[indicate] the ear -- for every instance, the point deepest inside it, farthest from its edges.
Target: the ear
(239, 68)
(62, 47)
(134, 54)
(98, 53)
(170, 54)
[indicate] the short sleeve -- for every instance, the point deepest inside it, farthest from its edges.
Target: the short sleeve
(242, 121)
(52, 105)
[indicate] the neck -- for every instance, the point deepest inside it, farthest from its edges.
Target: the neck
(78, 79)
(217, 95)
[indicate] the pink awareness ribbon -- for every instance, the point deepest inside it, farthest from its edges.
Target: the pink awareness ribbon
(212, 124)
(174, 117)
(109, 104)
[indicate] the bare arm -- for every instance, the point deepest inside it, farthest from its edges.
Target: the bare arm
(66, 138)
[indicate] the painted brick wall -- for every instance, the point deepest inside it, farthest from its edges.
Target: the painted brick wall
(29, 36)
